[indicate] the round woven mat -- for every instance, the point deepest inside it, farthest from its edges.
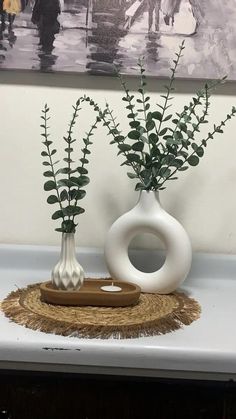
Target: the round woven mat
(153, 315)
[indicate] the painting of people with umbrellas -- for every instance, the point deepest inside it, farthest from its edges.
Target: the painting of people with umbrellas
(98, 36)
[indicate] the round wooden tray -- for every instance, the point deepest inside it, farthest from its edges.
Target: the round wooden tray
(91, 294)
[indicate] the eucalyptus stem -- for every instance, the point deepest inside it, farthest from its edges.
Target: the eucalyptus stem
(87, 143)
(125, 153)
(75, 179)
(217, 129)
(135, 124)
(113, 131)
(169, 87)
(201, 120)
(69, 141)
(47, 144)
(144, 104)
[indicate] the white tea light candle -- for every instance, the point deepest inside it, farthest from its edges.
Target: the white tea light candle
(111, 288)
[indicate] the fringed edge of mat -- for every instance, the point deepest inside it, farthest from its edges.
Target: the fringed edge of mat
(188, 311)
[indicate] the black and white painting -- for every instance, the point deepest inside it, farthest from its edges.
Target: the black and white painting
(93, 36)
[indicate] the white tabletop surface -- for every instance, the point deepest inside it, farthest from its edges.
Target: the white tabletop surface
(205, 349)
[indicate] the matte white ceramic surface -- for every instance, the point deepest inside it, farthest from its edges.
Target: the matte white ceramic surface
(205, 349)
(148, 216)
(68, 274)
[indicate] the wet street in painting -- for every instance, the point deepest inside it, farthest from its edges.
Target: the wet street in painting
(96, 34)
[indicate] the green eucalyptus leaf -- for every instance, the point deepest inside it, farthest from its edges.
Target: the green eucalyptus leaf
(64, 195)
(167, 118)
(134, 124)
(165, 172)
(132, 157)
(47, 143)
(46, 163)
(86, 141)
(157, 115)
(49, 185)
(68, 160)
(68, 226)
(65, 182)
(80, 194)
(86, 151)
(65, 170)
(71, 210)
(124, 147)
(80, 180)
(163, 132)
(194, 146)
(82, 170)
(130, 107)
(178, 135)
(52, 199)
(134, 135)
(72, 193)
(183, 153)
(140, 186)
(84, 160)
(193, 160)
(200, 151)
(182, 126)
(44, 154)
(153, 138)
(138, 146)
(177, 163)
(146, 173)
(132, 175)
(150, 125)
(48, 173)
(119, 138)
(169, 140)
(57, 214)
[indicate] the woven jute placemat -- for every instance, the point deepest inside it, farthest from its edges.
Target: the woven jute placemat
(153, 315)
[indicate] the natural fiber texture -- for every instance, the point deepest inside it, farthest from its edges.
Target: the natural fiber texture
(153, 315)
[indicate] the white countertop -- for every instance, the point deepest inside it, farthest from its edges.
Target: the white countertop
(205, 349)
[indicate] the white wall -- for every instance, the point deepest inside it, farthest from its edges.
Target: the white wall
(203, 199)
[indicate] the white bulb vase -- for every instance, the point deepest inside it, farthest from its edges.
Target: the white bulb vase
(148, 216)
(68, 274)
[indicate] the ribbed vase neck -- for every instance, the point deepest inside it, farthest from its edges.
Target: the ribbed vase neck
(68, 245)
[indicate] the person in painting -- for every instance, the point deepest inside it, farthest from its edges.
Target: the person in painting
(153, 12)
(44, 15)
(10, 8)
(169, 9)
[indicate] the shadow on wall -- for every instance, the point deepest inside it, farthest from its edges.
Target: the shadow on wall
(87, 82)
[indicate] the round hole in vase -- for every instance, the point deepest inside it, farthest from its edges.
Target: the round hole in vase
(147, 252)
(148, 216)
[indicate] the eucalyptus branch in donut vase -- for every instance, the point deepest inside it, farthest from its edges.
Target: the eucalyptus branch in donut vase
(159, 144)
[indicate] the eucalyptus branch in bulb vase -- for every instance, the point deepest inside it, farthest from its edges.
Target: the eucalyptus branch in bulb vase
(66, 182)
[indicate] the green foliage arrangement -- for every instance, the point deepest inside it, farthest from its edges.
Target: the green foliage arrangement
(66, 183)
(160, 144)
